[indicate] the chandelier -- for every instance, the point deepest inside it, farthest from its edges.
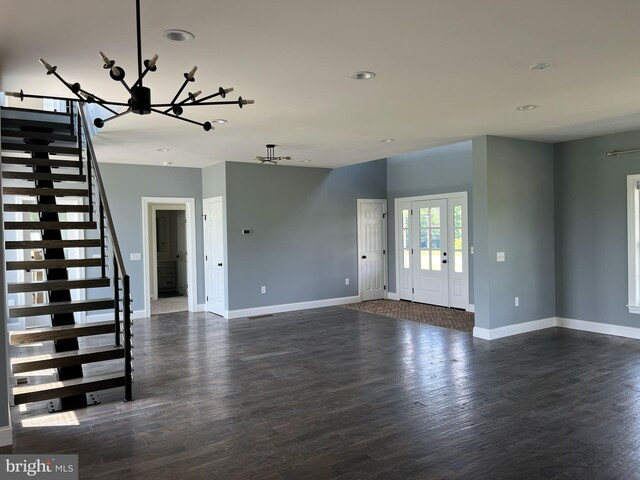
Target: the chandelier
(139, 101)
(270, 157)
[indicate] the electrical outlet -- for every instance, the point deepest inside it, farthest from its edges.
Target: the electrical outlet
(12, 302)
(500, 257)
(346, 281)
(263, 289)
(472, 250)
(135, 257)
(516, 301)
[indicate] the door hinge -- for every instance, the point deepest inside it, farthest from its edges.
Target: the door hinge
(207, 298)
(384, 252)
(412, 211)
(384, 215)
(413, 291)
(412, 251)
(385, 287)
(206, 258)
(205, 218)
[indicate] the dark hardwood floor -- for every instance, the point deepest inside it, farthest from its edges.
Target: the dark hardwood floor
(337, 393)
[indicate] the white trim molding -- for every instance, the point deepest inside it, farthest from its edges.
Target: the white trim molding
(509, 330)
(596, 327)
(290, 307)
(6, 436)
(393, 296)
(471, 308)
(633, 242)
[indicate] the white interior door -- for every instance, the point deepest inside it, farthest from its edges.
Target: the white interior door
(181, 251)
(430, 258)
(371, 248)
(214, 255)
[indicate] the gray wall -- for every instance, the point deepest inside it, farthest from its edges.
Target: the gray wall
(214, 181)
(126, 185)
(303, 222)
(591, 228)
(514, 213)
(429, 172)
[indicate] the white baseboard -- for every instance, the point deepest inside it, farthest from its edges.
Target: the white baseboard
(393, 296)
(290, 307)
(507, 331)
(471, 308)
(201, 307)
(105, 317)
(6, 436)
(596, 327)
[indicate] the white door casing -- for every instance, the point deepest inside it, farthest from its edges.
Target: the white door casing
(214, 266)
(181, 252)
(372, 249)
(414, 282)
(149, 255)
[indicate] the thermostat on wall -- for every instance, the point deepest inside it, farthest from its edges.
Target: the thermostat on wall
(246, 231)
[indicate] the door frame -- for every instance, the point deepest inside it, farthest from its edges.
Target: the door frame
(385, 247)
(399, 202)
(225, 270)
(150, 205)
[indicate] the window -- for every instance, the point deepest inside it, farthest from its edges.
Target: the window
(633, 239)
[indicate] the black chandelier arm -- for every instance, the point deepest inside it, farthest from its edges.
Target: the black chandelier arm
(190, 97)
(72, 88)
(240, 102)
(222, 92)
(206, 125)
(91, 98)
(115, 116)
(149, 66)
(173, 101)
(21, 95)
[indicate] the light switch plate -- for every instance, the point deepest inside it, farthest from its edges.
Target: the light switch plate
(135, 257)
(500, 257)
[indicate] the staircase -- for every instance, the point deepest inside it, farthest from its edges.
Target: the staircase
(57, 220)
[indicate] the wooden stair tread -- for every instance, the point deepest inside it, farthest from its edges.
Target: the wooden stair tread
(44, 207)
(44, 192)
(46, 162)
(54, 263)
(39, 244)
(61, 307)
(42, 334)
(19, 122)
(23, 147)
(55, 137)
(52, 285)
(66, 359)
(75, 386)
(55, 177)
(49, 225)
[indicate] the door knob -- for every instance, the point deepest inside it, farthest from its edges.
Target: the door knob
(220, 264)
(364, 256)
(444, 261)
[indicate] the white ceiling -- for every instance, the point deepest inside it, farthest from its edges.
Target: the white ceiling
(447, 70)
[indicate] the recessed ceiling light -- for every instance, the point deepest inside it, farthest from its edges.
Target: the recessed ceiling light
(163, 150)
(219, 120)
(523, 108)
(176, 35)
(362, 75)
(538, 66)
(388, 140)
(166, 164)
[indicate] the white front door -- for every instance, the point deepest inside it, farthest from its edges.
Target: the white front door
(371, 248)
(430, 258)
(214, 255)
(181, 252)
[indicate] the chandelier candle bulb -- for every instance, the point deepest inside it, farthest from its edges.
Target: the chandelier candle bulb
(192, 73)
(49, 68)
(107, 62)
(152, 62)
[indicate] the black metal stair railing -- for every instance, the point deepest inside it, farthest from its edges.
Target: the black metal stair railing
(112, 263)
